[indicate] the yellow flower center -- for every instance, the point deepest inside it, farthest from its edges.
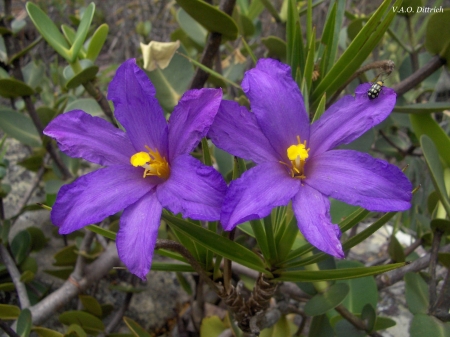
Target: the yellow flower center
(297, 154)
(152, 162)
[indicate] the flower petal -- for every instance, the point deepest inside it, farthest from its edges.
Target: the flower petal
(191, 119)
(193, 189)
(137, 108)
(236, 131)
(256, 192)
(349, 118)
(277, 103)
(137, 234)
(80, 135)
(359, 179)
(96, 195)
(312, 211)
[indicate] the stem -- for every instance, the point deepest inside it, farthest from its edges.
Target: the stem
(320, 286)
(355, 321)
(414, 56)
(5, 327)
(101, 100)
(433, 261)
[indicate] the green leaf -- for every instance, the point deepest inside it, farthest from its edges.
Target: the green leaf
(178, 267)
(12, 88)
(74, 330)
(44, 332)
(38, 239)
(424, 325)
(27, 276)
(61, 273)
(369, 316)
(331, 298)
(19, 126)
(65, 256)
(97, 41)
(86, 75)
(88, 105)
(422, 108)
(7, 286)
(383, 323)
(335, 274)
(192, 28)
(102, 231)
(24, 323)
(295, 54)
(82, 32)
(91, 305)
(444, 258)
(435, 41)
(20, 246)
(424, 124)
(9, 312)
(217, 243)
(434, 165)
(213, 19)
(135, 328)
(33, 73)
(211, 327)
(276, 47)
(416, 294)
(441, 225)
(88, 322)
(395, 250)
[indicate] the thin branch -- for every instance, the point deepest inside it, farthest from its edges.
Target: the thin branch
(353, 320)
(15, 276)
(442, 306)
(211, 49)
(119, 314)
(97, 94)
(410, 82)
(6, 328)
(433, 261)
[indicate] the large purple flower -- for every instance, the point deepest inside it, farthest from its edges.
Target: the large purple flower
(293, 158)
(147, 168)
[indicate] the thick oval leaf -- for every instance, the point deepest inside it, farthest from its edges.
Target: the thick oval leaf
(211, 18)
(97, 41)
(91, 305)
(332, 297)
(33, 73)
(19, 126)
(276, 47)
(88, 322)
(74, 330)
(9, 312)
(444, 258)
(11, 88)
(88, 105)
(217, 243)
(369, 316)
(20, 246)
(135, 328)
(24, 323)
(435, 41)
(441, 225)
(437, 174)
(335, 274)
(27, 276)
(395, 250)
(212, 327)
(192, 28)
(424, 124)
(416, 293)
(66, 256)
(62, 273)
(424, 325)
(48, 30)
(84, 76)
(44, 332)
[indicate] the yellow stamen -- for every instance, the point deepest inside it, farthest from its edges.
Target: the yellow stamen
(153, 163)
(297, 154)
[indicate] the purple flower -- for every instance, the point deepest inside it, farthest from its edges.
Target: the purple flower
(294, 159)
(147, 168)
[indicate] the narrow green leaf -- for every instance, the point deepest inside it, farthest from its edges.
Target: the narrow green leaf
(271, 9)
(335, 274)
(82, 32)
(395, 250)
(175, 267)
(88, 322)
(135, 328)
(332, 297)
(97, 41)
(309, 65)
(102, 231)
(287, 239)
(19, 126)
(422, 108)
(320, 108)
(9, 312)
(24, 51)
(48, 30)
(424, 124)
(218, 244)
(261, 237)
(24, 323)
(416, 293)
(213, 19)
(437, 174)
(295, 54)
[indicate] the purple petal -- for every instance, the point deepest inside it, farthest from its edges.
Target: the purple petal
(96, 195)
(236, 131)
(191, 119)
(312, 211)
(256, 192)
(193, 189)
(277, 103)
(359, 179)
(137, 109)
(137, 234)
(349, 118)
(80, 135)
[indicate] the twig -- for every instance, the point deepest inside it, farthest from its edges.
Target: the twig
(15, 276)
(389, 278)
(355, 321)
(175, 246)
(97, 94)
(433, 261)
(442, 306)
(410, 82)
(210, 51)
(119, 314)
(6, 328)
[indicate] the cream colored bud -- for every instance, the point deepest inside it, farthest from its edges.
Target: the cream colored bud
(158, 54)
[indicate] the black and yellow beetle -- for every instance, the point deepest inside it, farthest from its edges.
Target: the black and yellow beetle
(375, 89)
